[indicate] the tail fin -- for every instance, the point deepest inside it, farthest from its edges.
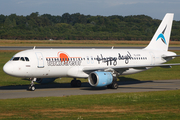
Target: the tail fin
(160, 40)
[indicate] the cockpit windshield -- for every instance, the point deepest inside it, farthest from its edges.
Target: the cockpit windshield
(26, 58)
(19, 59)
(15, 59)
(22, 59)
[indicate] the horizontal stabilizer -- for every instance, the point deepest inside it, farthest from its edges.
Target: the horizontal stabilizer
(171, 56)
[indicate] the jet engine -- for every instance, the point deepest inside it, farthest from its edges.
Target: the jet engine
(45, 80)
(100, 78)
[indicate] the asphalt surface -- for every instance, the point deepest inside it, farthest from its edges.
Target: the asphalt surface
(25, 48)
(10, 92)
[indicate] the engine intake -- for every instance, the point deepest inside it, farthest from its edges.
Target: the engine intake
(100, 78)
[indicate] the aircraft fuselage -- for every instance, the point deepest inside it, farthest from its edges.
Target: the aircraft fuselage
(46, 63)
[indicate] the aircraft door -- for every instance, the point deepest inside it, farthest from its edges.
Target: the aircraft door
(40, 60)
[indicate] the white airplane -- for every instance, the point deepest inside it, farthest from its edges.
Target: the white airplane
(100, 66)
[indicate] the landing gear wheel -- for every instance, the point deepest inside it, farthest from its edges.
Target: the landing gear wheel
(78, 83)
(75, 83)
(113, 86)
(31, 88)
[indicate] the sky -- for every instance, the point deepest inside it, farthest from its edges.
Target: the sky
(153, 8)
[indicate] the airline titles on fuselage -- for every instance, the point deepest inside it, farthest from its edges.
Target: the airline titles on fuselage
(65, 60)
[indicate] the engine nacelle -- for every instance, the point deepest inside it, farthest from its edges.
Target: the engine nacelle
(100, 78)
(45, 80)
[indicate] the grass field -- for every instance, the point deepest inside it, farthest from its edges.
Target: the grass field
(163, 105)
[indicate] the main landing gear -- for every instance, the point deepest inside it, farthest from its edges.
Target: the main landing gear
(75, 83)
(114, 84)
(31, 87)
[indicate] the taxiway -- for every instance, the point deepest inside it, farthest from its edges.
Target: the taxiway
(10, 92)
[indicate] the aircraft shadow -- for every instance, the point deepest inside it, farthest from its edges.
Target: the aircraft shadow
(123, 81)
(42, 86)
(84, 86)
(127, 81)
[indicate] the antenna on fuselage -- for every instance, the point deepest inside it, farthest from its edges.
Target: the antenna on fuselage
(34, 47)
(112, 47)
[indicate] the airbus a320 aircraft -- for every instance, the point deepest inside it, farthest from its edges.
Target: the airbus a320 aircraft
(100, 66)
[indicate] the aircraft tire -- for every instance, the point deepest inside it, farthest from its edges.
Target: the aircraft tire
(78, 83)
(114, 85)
(73, 83)
(29, 88)
(33, 88)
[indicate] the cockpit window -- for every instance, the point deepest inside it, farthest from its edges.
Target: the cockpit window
(27, 59)
(22, 59)
(16, 59)
(19, 59)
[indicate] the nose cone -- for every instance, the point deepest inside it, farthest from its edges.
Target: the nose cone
(8, 68)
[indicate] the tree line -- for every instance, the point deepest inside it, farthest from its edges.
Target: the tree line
(81, 27)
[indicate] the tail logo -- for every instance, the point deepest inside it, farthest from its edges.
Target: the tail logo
(162, 36)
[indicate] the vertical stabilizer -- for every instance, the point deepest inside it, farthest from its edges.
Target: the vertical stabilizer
(161, 38)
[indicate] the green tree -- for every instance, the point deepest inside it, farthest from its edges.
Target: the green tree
(8, 22)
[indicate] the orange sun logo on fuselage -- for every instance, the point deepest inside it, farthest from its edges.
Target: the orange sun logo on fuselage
(63, 56)
(63, 59)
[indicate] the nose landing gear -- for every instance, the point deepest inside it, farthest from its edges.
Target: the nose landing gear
(31, 87)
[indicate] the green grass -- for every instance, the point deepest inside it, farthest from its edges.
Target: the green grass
(146, 105)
